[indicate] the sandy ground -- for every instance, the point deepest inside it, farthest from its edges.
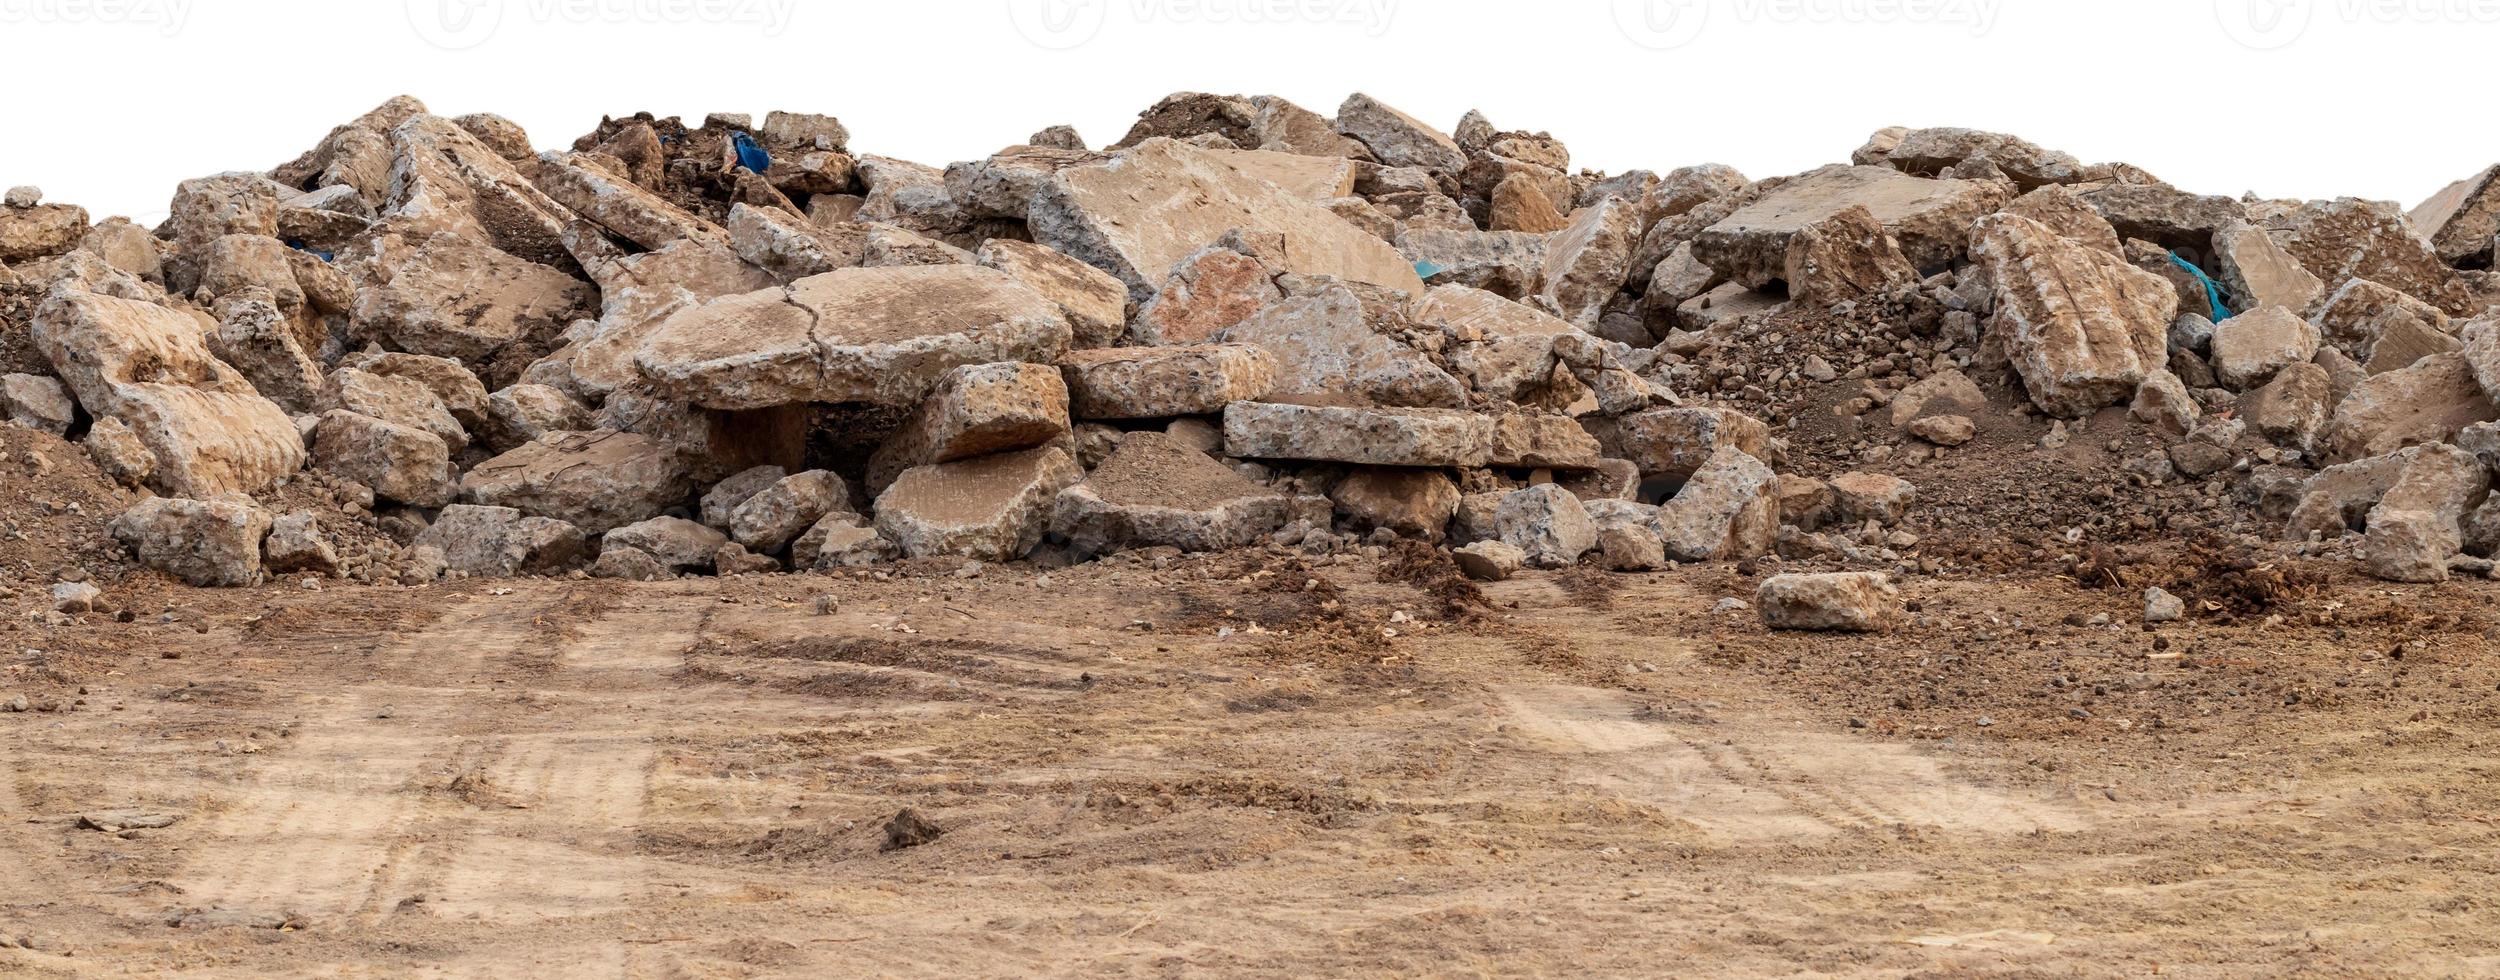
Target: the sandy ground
(1231, 765)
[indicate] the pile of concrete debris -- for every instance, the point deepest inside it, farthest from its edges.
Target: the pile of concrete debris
(737, 348)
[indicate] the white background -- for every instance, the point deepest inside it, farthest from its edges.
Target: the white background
(108, 102)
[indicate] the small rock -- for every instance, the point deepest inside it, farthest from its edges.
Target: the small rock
(1851, 602)
(115, 821)
(909, 829)
(1490, 561)
(1548, 525)
(1946, 430)
(73, 598)
(2162, 607)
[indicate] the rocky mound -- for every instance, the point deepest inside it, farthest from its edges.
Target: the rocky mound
(423, 348)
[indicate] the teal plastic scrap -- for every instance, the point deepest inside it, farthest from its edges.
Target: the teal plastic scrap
(751, 156)
(2213, 292)
(1427, 270)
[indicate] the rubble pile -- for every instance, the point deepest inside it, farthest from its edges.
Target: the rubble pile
(424, 348)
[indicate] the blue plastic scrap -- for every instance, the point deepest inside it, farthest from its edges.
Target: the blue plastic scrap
(2213, 293)
(751, 156)
(315, 253)
(1427, 270)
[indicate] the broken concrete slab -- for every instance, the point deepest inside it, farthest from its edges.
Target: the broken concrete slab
(1876, 497)
(1505, 350)
(2419, 524)
(1847, 256)
(212, 543)
(596, 481)
(1095, 304)
(1848, 602)
(1489, 561)
(1587, 262)
(450, 297)
(1671, 444)
(2292, 408)
(1207, 293)
(2354, 317)
(1097, 213)
(1334, 345)
(1548, 525)
(1370, 436)
(1510, 264)
(1124, 383)
(1728, 510)
(296, 544)
(500, 542)
(994, 508)
(2347, 239)
(2463, 219)
(678, 544)
(401, 463)
(880, 336)
(2165, 216)
(523, 413)
(841, 541)
(1312, 178)
(2249, 348)
(39, 230)
(2082, 327)
(2259, 273)
(2429, 402)
(1397, 139)
(1414, 503)
(1931, 219)
(975, 410)
(451, 382)
(1934, 150)
(150, 367)
(396, 400)
(769, 520)
(38, 403)
(2068, 214)
(1550, 442)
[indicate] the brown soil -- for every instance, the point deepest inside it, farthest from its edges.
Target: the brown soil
(1261, 764)
(1151, 469)
(56, 506)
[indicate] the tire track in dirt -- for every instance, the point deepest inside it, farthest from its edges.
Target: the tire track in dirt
(1748, 781)
(326, 827)
(30, 866)
(548, 835)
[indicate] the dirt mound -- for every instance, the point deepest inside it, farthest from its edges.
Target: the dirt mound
(54, 527)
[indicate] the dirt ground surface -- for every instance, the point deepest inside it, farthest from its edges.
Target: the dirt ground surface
(1250, 764)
